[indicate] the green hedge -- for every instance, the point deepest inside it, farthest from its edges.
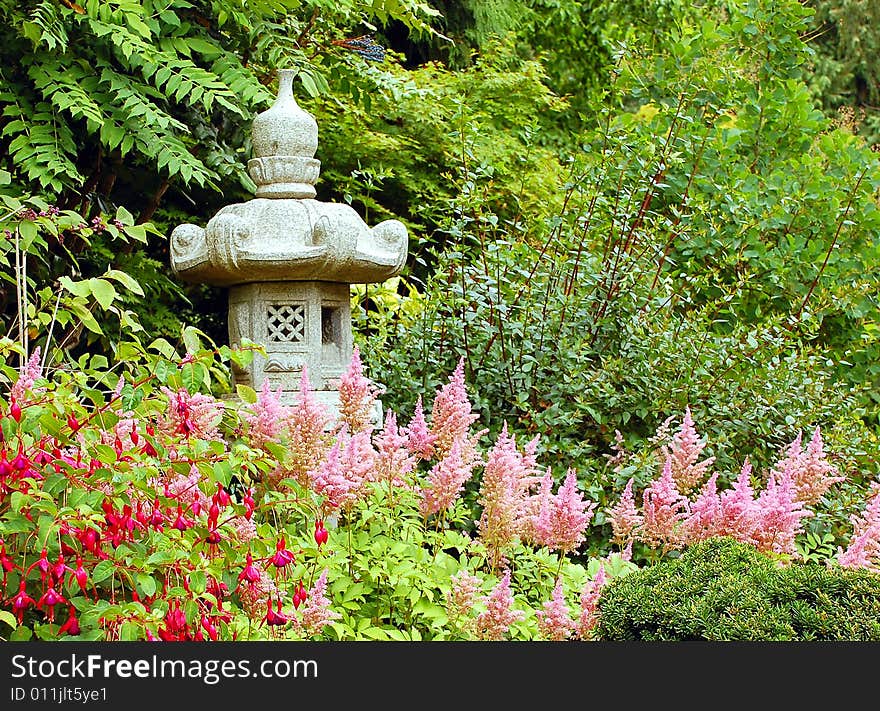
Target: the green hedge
(724, 590)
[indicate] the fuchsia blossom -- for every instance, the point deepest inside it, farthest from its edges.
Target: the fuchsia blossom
(451, 416)
(356, 396)
(192, 415)
(863, 550)
(499, 615)
(420, 441)
(664, 509)
(554, 620)
(589, 617)
(316, 612)
(504, 494)
(684, 452)
(561, 520)
(445, 481)
(625, 518)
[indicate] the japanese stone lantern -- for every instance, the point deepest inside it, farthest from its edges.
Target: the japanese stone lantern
(289, 259)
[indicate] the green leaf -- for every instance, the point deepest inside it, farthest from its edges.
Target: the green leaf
(103, 291)
(147, 584)
(126, 280)
(103, 570)
(8, 618)
(246, 393)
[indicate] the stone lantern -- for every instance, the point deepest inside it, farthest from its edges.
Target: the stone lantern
(289, 259)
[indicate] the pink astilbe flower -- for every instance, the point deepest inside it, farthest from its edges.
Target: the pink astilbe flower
(244, 529)
(343, 475)
(589, 617)
(561, 519)
(30, 372)
(306, 425)
(664, 509)
(499, 615)
(809, 469)
(705, 517)
(420, 441)
(554, 619)
(394, 463)
(269, 417)
(778, 516)
(356, 396)
(684, 452)
(625, 518)
(445, 481)
(451, 415)
(192, 415)
(737, 515)
(863, 550)
(316, 613)
(504, 491)
(462, 595)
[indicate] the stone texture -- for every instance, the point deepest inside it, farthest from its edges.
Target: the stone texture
(288, 258)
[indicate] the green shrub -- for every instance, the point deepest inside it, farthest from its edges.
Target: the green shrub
(724, 590)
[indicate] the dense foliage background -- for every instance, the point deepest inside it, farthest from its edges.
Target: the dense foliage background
(616, 209)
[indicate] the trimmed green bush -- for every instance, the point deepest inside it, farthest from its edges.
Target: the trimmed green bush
(724, 590)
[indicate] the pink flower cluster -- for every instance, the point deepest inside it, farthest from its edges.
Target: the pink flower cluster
(769, 520)
(863, 550)
(560, 520)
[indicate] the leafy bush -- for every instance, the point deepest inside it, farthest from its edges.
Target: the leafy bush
(724, 590)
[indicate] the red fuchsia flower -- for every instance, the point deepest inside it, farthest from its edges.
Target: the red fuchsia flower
(71, 626)
(590, 605)
(221, 497)
(15, 411)
(664, 509)
(250, 574)
(419, 439)
(684, 452)
(321, 534)
(561, 520)
(50, 599)
(192, 415)
(299, 595)
(493, 623)
(72, 422)
(504, 494)
(6, 563)
(863, 550)
(316, 612)
(554, 620)
(282, 557)
(213, 537)
(210, 628)
(21, 602)
(42, 564)
(249, 504)
(275, 618)
(451, 416)
(625, 518)
(445, 481)
(59, 570)
(181, 523)
(80, 574)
